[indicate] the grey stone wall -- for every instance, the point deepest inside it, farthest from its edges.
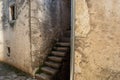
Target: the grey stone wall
(30, 37)
(16, 35)
(48, 22)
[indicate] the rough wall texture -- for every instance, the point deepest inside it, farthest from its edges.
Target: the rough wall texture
(15, 35)
(47, 17)
(1, 30)
(97, 41)
(30, 37)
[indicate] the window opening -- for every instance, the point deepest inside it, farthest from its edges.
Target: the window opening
(12, 12)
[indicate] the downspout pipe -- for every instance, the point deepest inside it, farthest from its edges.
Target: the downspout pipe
(30, 33)
(72, 56)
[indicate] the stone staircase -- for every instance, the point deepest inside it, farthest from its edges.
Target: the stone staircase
(55, 59)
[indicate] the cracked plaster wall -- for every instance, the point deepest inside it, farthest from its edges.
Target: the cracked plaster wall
(37, 27)
(15, 36)
(97, 41)
(49, 19)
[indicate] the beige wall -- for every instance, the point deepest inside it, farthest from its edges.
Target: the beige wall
(97, 41)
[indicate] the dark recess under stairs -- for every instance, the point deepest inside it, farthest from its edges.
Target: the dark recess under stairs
(57, 64)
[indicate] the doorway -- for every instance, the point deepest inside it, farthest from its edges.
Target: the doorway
(56, 65)
(64, 73)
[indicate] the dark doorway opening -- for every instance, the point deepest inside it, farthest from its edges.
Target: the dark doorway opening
(56, 66)
(64, 73)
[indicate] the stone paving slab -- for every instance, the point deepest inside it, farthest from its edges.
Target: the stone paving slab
(10, 73)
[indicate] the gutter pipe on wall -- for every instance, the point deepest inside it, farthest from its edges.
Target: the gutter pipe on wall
(72, 57)
(30, 30)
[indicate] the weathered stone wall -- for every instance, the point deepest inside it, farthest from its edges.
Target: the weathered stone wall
(15, 35)
(30, 37)
(20, 42)
(97, 41)
(47, 17)
(1, 29)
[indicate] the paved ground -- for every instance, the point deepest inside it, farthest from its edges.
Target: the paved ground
(9, 73)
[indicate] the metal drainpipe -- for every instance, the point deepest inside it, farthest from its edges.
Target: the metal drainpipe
(72, 57)
(30, 30)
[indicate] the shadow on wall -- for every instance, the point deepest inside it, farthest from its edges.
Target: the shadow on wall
(49, 20)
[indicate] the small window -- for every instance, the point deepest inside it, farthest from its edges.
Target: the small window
(12, 12)
(8, 48)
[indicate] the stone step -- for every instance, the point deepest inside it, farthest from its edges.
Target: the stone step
(55, 59)
(58, 53)
(43, 76)
(61, 48)
(65, 39)
(64, 44)
(53, 64)
(49, 70)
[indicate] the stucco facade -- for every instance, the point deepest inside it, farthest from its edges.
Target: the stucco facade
(97, 48)
(26, 41)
